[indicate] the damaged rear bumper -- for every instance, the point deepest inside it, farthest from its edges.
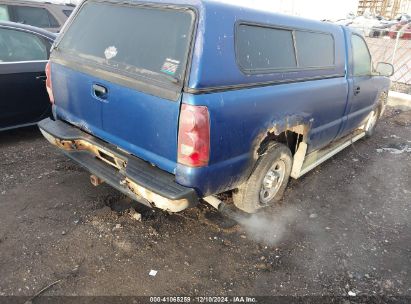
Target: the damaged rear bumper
(127, 173)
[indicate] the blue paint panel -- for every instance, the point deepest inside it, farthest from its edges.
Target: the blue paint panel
(72, 94)
(144, 125)
(239, 117)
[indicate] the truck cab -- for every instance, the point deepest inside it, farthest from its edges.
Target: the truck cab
(170, 103)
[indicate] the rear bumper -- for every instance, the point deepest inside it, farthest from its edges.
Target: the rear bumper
(127, 173)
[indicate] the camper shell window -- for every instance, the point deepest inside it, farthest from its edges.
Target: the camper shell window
(265, 49)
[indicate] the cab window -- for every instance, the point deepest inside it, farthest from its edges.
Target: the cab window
(361, 57)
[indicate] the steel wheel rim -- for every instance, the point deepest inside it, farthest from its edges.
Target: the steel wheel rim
(272, 182)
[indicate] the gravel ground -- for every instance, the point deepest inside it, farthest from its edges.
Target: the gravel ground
(401, 87)
(344, 227)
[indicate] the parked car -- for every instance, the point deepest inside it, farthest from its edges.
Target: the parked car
(381, 29)
(403, 17)
(371, 26)
(45, 15)
(24, 51)
(196, 98)
(403, 29)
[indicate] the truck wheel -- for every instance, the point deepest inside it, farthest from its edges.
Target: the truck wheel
(267, 183)
(372, 122)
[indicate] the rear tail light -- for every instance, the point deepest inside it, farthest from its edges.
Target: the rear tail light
(48, 82)
(194, 136)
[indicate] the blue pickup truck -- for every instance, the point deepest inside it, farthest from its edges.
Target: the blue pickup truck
(175, 102)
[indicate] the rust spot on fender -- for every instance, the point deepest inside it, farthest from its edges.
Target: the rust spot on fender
(299, 124)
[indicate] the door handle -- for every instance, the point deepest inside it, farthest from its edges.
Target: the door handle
(357, 91)
(100, 91)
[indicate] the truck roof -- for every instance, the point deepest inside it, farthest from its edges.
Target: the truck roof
(216, 42)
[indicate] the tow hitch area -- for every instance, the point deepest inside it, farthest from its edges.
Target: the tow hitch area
(83, 145)
(131, 175)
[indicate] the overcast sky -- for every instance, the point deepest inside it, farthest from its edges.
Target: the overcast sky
(316, 9)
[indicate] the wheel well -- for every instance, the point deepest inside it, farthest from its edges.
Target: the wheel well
(290, 138)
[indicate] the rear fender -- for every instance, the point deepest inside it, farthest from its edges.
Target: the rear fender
(293, 131)
(297, 123)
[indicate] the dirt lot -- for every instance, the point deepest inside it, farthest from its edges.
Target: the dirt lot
(345, 227)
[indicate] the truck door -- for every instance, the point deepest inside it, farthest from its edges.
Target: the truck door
(362, 92)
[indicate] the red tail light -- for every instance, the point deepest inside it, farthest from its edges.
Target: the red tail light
(194, 136)
(48, 82)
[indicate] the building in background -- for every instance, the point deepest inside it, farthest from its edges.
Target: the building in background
(386, 8)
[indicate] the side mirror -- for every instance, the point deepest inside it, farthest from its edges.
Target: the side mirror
(385, 69)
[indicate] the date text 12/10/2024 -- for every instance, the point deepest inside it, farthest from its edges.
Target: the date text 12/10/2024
(203, 300)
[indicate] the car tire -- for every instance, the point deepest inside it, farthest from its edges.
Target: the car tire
(267, 183)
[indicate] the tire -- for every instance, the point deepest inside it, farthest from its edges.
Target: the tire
(267, 183)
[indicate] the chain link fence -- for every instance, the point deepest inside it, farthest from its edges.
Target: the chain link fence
(393, 47)
(395, 51)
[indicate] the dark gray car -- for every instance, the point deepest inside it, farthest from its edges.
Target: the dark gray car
(24, 51)
(45, 15)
